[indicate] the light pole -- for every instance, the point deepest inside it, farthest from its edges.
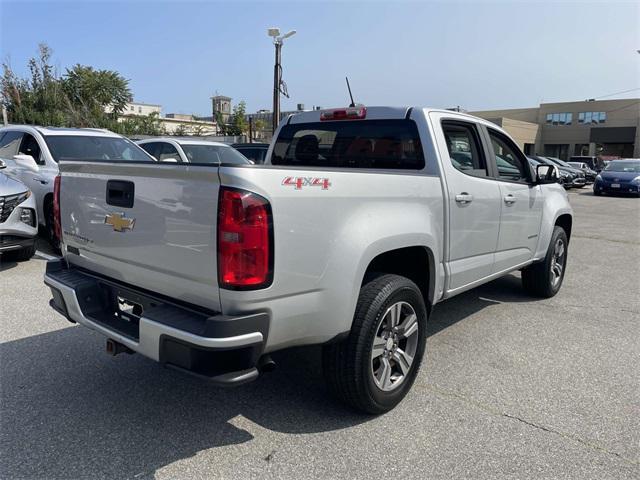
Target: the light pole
(277, 72)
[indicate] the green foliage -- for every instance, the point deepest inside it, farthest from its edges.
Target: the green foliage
(140, 125)
(82, 97)
(237, 123)
(180, 131)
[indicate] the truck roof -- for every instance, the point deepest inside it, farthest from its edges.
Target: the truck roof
(373, 113)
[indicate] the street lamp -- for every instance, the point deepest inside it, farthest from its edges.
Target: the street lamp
(277, 72)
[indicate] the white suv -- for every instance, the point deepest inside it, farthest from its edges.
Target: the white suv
(18, 220)
(31, 155)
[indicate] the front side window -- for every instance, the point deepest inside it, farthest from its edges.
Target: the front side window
(384, 144)
(152, 148)
(29, 146)
(511, 165)
(98, 148)
(9, 144)
(168, 151)
(464, 148)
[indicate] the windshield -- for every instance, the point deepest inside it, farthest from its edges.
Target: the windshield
(623, 166)
(389, 144)
(557, 161)
(98, 148)
(214, 154)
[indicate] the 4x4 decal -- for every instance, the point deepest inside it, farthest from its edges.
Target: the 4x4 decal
(299, 182)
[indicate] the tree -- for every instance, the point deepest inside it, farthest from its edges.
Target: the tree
(38, 99)
(238, 123)
(83, 97)
(140, 125)
(96, 97)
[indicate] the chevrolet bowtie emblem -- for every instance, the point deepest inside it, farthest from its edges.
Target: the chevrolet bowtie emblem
(119, 222)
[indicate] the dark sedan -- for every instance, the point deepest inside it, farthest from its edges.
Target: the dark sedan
(253, 151)
(619, 176)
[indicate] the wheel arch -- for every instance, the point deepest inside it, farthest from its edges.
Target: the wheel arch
(415, 262)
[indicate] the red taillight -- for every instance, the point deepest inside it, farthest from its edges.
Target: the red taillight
(245, 254)
(351, 113)
(56, 208)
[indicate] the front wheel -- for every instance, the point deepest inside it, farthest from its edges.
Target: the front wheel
(375, 367)
(544, 279)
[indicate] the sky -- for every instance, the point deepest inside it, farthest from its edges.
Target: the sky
(475, 54)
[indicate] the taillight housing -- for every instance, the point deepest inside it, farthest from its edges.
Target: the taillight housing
(56, 208)
(245, 240)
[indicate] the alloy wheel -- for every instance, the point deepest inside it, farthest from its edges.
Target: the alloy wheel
(394, 346)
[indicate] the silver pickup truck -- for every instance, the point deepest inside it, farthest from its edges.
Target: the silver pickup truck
(360, 221)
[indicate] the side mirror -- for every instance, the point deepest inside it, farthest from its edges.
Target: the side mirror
(546, 174)
(2, 164)
(26, 161)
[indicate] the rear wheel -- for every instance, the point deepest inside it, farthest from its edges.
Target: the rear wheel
(544, 279)
(374, 368)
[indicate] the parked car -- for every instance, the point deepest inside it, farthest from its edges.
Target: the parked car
(360, 225)
(579, 180)
(565, 177)
(256, 152)
(620, 176)
(18, 219)
(594, 163)
(191, 151)
(31, 155)
(589, 174)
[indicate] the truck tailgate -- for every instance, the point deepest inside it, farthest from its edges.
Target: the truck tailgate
(152, 225)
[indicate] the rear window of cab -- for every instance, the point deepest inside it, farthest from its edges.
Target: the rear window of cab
(379, 144)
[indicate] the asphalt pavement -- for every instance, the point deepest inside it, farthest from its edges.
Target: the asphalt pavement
(512, 387)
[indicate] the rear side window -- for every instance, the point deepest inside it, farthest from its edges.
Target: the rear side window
(464, 148)
(388, 144)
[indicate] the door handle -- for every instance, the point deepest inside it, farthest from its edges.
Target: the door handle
(464, 198)
(41, 180)
(509, 199)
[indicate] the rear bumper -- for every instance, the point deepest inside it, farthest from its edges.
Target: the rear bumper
(221, 349)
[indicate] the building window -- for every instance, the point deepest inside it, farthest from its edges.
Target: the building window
(139, 109)
(592, 117)
(132, 108)
(559, 118)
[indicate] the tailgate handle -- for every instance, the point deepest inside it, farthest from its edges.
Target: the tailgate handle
(120, 193)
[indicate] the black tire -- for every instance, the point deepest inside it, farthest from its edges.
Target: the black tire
(348, 365)
(597, 193)
(21, 255)
(538, 279)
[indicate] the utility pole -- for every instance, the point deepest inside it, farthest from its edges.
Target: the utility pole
(277, 73)
(277, 69)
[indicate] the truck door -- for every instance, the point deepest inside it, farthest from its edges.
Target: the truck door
(521, 203)
(473, 201)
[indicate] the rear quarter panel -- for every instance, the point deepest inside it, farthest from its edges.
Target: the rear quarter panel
(325, 239)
